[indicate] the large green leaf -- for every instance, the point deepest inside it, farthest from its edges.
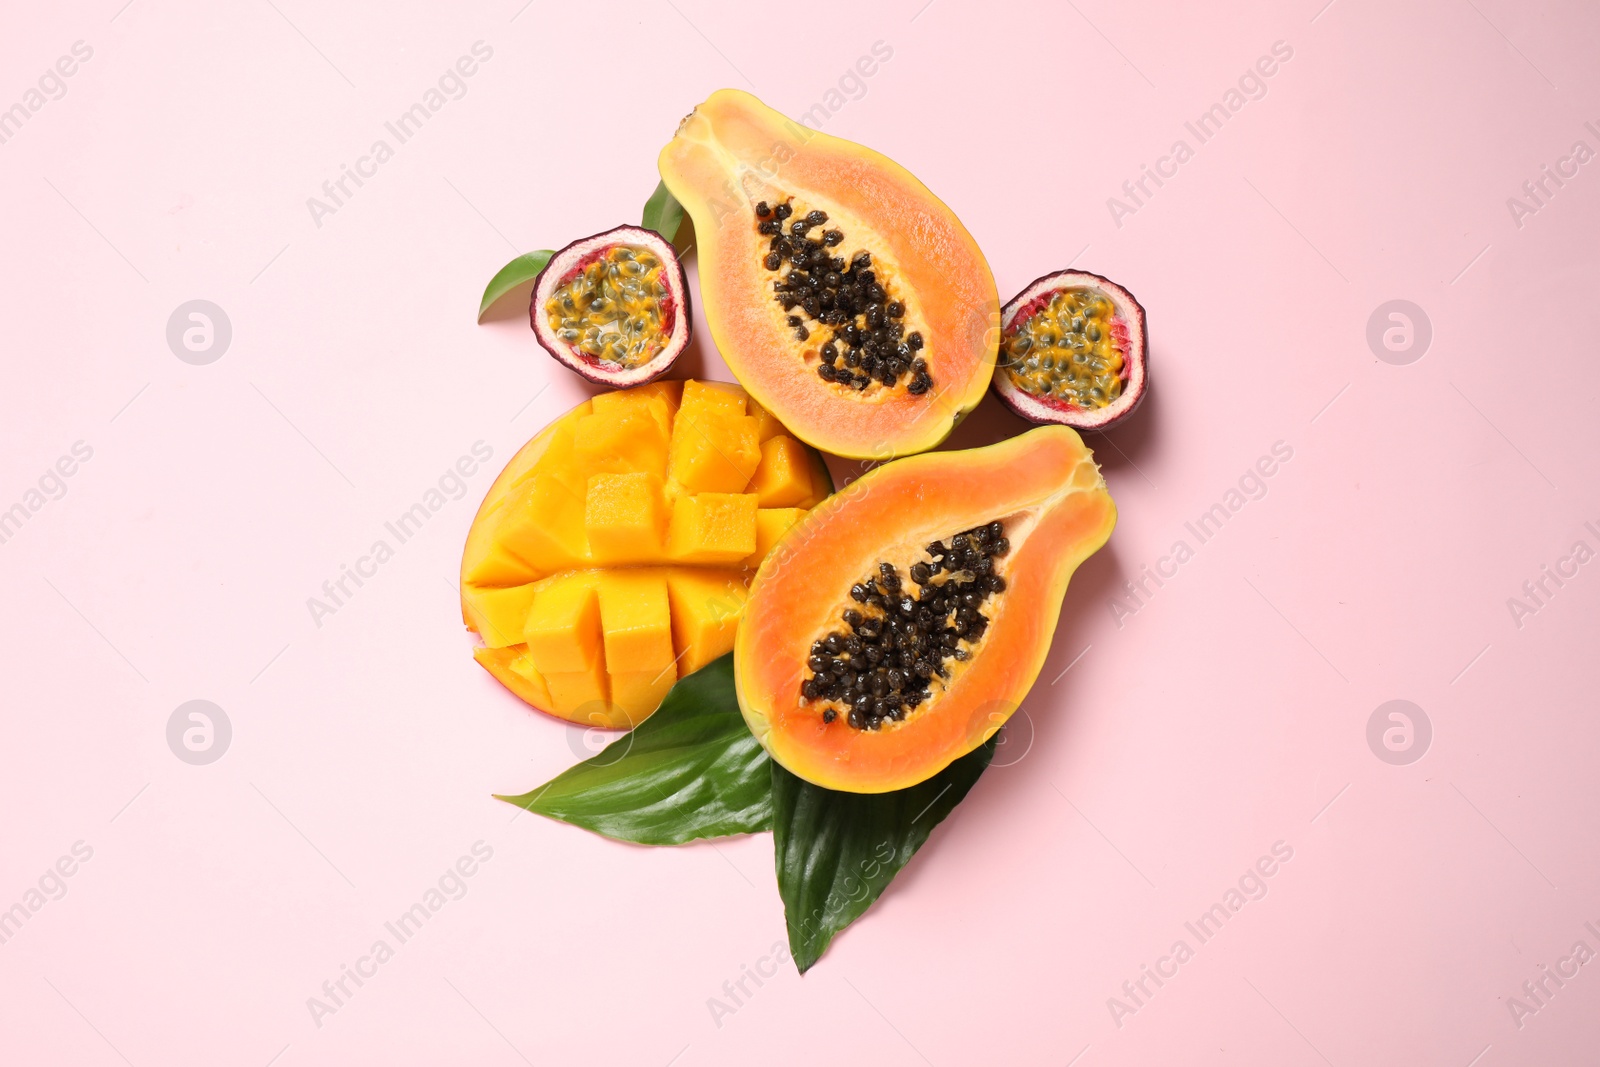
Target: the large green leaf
(525, 268)
(691, 770)
(663, 213)
(836, 852)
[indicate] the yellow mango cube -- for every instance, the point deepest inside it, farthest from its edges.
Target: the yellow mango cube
(655, 397)
(767, 424)
(584, 696)
(635, 694)
(624, 517)
(772, 524)
(783, 478)
(516, 672)
(490, 562)
(498, 614)
(636, 619)
(559, 459)
(700, 397)
(543, 525)
(712, 452)
(562, 631)
(623, 439)
(712, 528)
(706, 605)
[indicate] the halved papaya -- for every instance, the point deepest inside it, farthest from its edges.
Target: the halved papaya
(612, 554)
(899, 624)
(843, 294)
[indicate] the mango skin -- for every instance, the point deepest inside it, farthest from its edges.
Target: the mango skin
(578, 528)
(1044, 484)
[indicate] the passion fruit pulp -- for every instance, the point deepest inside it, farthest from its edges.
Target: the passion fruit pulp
(1073, 351)
(613, 307)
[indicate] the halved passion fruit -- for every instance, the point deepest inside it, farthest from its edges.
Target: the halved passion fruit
(843, 294)
(899, 623)
(1073, 351)
(613, 307)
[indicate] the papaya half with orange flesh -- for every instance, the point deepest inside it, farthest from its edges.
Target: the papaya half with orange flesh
(898, 625)
(846, 297)
(612, 555)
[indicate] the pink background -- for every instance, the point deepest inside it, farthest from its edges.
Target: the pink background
(1229, 712)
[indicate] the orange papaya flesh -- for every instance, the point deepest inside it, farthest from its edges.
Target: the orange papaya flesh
(1027, 510)
(865, 358)
(613, 553)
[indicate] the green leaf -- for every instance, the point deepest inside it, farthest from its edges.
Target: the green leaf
(663, 213)
(691, 770)
(836, 852)
(524, 268)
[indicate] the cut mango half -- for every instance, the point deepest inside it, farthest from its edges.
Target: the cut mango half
(613, 554)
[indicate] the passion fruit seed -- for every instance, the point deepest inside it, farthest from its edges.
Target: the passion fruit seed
(866, 342)
(614, 307)
(1068, 349)
(881, 665)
